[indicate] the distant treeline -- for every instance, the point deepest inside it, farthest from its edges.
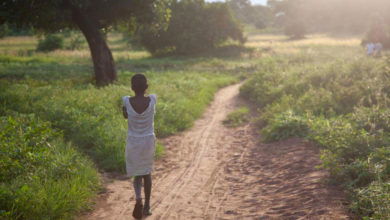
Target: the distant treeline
(258, 15)
(335, 16)
(296, 17)
(12, 30)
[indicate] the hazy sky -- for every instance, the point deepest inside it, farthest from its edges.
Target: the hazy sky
(263, 2)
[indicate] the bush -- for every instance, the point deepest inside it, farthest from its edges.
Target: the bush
(237, 117)
(260, 25)
(286, 125)
(295, 29)
(194, 26)
(264, 88)
(373, 201)
(317, 101)
(4, 30)
(50, 42)
(41, 177)
(76, 41)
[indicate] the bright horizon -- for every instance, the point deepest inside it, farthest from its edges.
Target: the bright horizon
(254, 2)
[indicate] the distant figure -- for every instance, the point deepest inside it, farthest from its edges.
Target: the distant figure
(378, 49)
(140, 145)
(370, 49)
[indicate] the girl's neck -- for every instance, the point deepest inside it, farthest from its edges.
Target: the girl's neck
(140, 95)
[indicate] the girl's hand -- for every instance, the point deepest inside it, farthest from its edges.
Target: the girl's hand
(124, 111)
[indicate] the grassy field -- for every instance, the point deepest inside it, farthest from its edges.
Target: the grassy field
(65, 129)
(327, 90)
(65, 122)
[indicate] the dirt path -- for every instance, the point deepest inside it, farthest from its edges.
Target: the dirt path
(214, 172)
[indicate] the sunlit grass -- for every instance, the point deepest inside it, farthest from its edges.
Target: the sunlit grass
(13, 44)
(282, 45)
(327, 90)
(58, 86)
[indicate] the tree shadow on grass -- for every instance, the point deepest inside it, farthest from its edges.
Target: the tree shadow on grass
(228, 51)
(173, 61)
(46, 72)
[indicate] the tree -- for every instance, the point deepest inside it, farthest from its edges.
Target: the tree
(241, 9)
(288, 14)
(90, 16)
(4, 30)
(258, 15)
(194, 27)
(335, 16)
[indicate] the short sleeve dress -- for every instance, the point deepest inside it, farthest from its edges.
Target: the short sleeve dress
(140, 143)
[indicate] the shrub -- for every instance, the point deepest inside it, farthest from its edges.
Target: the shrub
(4, 31)
(372, 119)
(285, 125)
(265, 86)
(50, 42)
(237, 117)
(373, 201)
(194, 26)
(295, 29)
(317, 101)
(259, 24)
(76, 42)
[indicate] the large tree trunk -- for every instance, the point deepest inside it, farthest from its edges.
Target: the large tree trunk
(103, 62)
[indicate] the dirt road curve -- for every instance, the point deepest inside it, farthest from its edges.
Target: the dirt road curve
(214, 172)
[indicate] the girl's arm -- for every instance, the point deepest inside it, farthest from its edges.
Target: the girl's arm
(124, 111)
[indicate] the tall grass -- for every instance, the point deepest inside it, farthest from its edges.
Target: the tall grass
(91, 117)
(41, 176)
(340, 103)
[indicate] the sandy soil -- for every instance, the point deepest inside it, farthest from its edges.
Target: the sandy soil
(214, 172)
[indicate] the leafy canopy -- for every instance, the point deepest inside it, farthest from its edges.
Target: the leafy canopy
(194, 26)
(54, 15)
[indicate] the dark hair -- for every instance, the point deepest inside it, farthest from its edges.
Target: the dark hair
(139, 83)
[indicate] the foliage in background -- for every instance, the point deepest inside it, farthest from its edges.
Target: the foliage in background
(378, 33)
(295, 29)
(76, 41)
(12, 30)
(90, 17)
(4, 30)
(335, 16)
(41, 177)
(194, 26)
(258, 15)
(50, 42)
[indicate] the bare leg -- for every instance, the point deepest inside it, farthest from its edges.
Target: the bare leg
(137, 183)
(147, 189)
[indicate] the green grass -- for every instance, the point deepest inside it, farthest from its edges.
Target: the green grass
(329, 92)
(83, 124)
(321, 88)
(41, 176)
(237, 117)
(91, 117)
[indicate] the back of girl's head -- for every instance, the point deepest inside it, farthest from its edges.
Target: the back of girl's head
(139, 83)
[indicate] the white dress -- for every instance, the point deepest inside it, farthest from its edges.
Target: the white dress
(140, 143)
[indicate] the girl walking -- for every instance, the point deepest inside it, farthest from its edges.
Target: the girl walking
(140, 144)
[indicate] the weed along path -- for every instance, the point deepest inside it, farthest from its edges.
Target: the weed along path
(214, 172)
